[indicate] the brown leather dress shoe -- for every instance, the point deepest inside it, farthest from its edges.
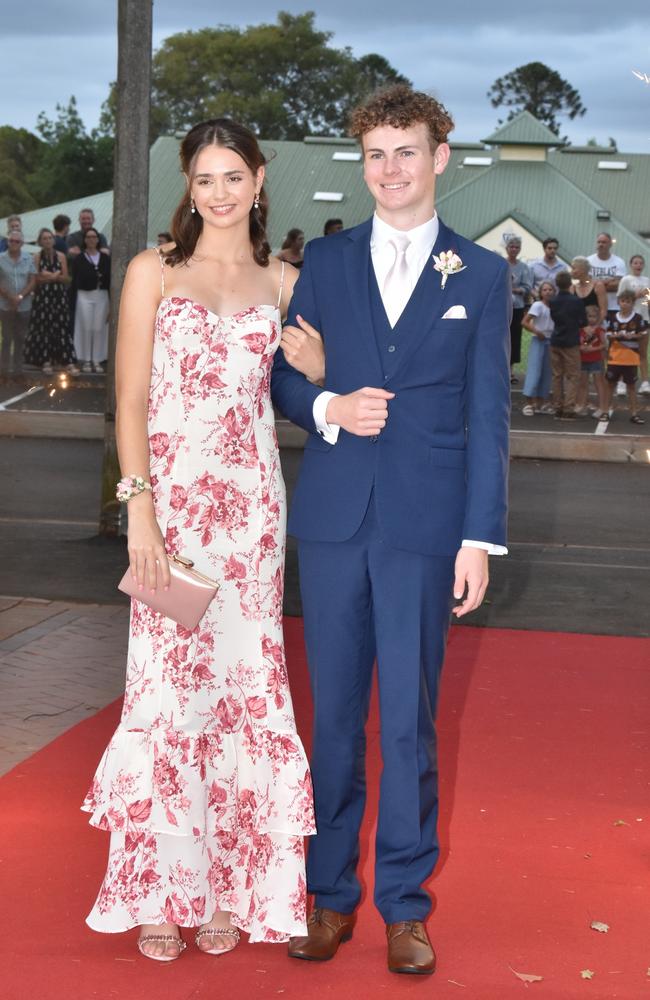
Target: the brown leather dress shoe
(326, 930)
(409, 948)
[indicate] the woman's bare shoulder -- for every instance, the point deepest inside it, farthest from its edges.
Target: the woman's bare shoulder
(145, 264)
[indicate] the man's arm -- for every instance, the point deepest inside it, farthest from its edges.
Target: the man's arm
(363, 412)
(612, 282)
(29, 287)
(487, 429)
(488, 418)
(293, 395)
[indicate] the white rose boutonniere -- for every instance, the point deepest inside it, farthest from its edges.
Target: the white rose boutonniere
(448, 263)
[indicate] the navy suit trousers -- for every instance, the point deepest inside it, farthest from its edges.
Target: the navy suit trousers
(363, 599)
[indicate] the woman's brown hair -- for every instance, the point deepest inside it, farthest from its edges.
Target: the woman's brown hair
(187, 225)
(291, 239)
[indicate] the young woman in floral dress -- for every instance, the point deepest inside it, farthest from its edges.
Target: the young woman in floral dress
(205, 786)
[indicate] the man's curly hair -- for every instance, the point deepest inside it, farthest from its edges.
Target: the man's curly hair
(401, 107)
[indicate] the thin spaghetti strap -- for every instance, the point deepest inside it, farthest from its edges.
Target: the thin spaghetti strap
(158, 253)
(281, 286)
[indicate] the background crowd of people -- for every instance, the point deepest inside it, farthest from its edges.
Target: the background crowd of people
(54, 303)
(588, 320)
(54, 308)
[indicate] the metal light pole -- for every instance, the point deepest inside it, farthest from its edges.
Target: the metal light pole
(130, 208)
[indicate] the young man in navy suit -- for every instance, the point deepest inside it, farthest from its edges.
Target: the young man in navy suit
(400, 498)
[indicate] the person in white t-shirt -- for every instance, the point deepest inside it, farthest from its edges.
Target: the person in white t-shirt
(639, 283)
(537, 385)
(607, 267)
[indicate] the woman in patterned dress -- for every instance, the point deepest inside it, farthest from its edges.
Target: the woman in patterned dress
(48, 340)
(205, 786)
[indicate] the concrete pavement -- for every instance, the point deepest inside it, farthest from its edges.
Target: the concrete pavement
(58, 406)
(59, 664)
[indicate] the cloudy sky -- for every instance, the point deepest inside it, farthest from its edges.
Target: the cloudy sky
(50, 50)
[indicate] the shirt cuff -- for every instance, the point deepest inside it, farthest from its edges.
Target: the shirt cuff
(492, 550)
(329, 432)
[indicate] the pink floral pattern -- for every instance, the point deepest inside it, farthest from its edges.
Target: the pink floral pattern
(204, 786)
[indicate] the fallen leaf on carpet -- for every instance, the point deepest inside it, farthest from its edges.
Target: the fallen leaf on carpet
(526, 977)
(620, 822)
(454, 983)
(587, 974)
(598, 925)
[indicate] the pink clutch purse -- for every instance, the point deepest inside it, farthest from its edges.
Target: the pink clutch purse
(188, 596)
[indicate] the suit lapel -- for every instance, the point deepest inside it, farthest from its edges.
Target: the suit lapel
(426, 305)
(357, 262)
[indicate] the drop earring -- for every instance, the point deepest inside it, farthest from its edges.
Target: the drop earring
(193, 206)
(256, 203)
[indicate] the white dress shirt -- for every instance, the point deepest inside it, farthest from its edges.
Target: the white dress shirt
(382, 254)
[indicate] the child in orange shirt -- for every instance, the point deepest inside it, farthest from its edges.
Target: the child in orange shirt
(624, 330)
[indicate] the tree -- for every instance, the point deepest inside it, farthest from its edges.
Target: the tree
(541, 91)
(284, 80)
(19, 154)
(130, 209)
(73, 163)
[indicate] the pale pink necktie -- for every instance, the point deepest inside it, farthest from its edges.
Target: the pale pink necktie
(397, 286)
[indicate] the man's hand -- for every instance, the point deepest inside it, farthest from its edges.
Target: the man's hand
(471, 571)
(303, 349)
(363, 412)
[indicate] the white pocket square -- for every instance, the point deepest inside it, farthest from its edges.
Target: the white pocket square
(455, 312)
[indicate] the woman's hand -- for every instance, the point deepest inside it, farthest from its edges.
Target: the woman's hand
(303, 349)
(147, 557)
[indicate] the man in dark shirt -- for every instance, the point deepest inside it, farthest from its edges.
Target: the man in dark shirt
(568, 315)
(76, 240)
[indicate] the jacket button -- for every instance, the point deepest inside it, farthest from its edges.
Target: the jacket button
(375, 438)
(391, 348)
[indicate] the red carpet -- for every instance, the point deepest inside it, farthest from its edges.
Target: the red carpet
(545, 828)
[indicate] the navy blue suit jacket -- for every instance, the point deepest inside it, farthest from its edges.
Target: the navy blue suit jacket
(439, 468)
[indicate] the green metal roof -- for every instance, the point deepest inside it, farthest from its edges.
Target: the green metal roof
(524, 130)
(559, 197)
(625, 193)
(543, 200)
(299, 170)
(296, 171)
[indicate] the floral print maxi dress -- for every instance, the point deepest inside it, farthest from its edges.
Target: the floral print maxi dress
(205, 786)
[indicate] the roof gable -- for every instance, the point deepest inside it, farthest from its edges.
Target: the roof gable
(549, 202)
(524, 130)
